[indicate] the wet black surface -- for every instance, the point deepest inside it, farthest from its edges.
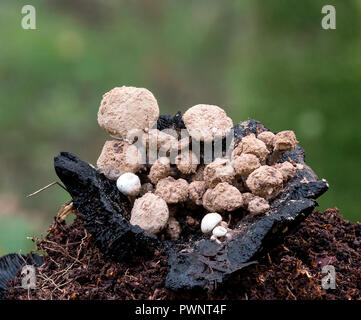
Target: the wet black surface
(102, 207)
(168, 122)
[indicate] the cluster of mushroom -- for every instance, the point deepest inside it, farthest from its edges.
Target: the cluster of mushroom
(180, 179)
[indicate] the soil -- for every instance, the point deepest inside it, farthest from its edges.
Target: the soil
(75, 269)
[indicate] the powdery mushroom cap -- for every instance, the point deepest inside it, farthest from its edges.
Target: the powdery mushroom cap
(118, 157)
(124, 109)
(223, 197)
(187, 162)
(158, 139)
(129, 184)
(173, 228)
(150, 212)
(172, 190)
(258, 205)
(245, 164)
(285, 141)
(287, 169)
(196, 192)
(210, 221)
(159, 170)
(207, 122)
(220, 170)
(267, 137)
(266, 182)
(250, 144)
(181, 144)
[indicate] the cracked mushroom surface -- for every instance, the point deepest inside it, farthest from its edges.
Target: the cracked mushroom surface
(172, 190)
(265, 182)
(158, 139)
(285, 141)
(150, 212)
(250, 144)
(159, 170)
(187, 162)
(220, 170)
(223, 197)
(117, 158)
(207, 122)
(245, 164)
(258, 205)
(267, 137)
(125, 109)
(287, 169)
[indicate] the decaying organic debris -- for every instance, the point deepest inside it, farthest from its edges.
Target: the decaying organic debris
(10, 266)
(75, 269)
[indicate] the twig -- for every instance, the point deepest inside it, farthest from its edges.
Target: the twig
(46, 187)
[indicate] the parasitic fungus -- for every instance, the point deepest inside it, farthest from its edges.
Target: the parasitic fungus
(207, 122)
(118, 157)
(150, 212)
(126, 109)
(266, 182)
(223, 197)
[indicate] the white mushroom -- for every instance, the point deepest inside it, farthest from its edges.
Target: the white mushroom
(219, 231)
(210, 221)
(215, 239)
(129, 184)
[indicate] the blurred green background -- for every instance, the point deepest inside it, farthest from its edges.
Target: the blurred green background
(268, 60)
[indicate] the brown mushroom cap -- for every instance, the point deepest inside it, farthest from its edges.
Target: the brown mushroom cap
(266, 182)
(287, 169)
(267, 137)
(285, 141)
(172, 190)
(245, 164)
(223, 197)
(187, 162)
(258, 205)
(159, 170)
(250, 144)
(158, 139)
(124, 109)
(150, 212)
(207, 122)
(220, 170)
(118, 157)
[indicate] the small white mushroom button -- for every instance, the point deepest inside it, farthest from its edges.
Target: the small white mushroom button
(129, 184)
(219, 231)
(210, 221)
